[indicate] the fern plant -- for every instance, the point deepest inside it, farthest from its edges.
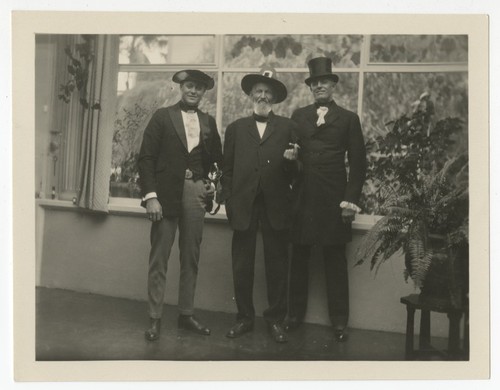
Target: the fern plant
(422, 179)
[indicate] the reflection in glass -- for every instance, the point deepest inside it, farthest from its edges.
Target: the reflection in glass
(236, 103)
(291, 51)
(140, 94)
(418, 48)
(167, 49)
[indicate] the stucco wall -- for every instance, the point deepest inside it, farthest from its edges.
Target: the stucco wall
(108, 255)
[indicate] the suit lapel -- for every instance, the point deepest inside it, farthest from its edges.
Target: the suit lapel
(252, 129)
(332, 115)
(176, 116)
(269, 128)
(204, 127)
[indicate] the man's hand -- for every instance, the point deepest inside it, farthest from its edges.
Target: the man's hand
(292, 153)
(210, 191)
(153, 209)
(348, 215)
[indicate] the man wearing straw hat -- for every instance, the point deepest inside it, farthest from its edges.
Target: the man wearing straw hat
(180, 145)
(326, 195)
(256, 187)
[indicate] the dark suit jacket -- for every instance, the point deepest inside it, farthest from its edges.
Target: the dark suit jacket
(325, 180)
(163, 157)
(252, 164)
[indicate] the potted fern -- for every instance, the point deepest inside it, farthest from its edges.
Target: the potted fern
(421, 172)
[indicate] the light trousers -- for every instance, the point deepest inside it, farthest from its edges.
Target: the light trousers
(190, 225)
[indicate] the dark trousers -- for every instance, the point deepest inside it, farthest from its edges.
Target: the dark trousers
(337, 283)
(276, 265)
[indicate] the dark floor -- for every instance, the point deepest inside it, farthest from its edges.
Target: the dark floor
(78, 326)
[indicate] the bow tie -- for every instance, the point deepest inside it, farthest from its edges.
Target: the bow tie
(184, 107)
(260, 118)
(321, 111)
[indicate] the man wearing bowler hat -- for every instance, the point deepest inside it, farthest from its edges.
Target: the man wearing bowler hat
(180, 145)
(326, 195)
(256, 187)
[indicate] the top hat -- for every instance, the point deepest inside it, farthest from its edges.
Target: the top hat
(193, 75)
(320, 67)
(266, 75)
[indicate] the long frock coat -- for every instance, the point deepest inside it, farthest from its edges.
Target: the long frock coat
(326, 178)
(252, 164)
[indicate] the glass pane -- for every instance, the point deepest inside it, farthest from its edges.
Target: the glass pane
(167, 49)
(236, 103)
(387, 96)
(139, 95)
(418, 48)
(291, 51)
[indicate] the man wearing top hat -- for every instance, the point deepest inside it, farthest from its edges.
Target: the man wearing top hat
(256, 187)
(180, 145)
(326, 195)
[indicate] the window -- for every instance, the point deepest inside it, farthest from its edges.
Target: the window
(381, 76)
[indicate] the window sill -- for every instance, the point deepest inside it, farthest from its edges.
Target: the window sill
(132, 207)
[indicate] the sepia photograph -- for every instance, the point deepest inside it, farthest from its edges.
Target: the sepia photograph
(262, 193)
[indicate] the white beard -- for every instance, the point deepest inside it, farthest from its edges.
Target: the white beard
(262, 108)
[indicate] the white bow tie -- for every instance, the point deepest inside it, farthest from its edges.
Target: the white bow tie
(321, 111)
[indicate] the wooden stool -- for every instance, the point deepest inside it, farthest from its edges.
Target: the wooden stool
(454, 351)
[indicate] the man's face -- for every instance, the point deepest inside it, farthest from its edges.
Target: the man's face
(322, 89)
(262, 97)
(192, 92)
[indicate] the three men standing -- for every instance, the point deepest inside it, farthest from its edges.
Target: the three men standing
(326, 195)
(256, 184)
(261, 162)
(179, 146)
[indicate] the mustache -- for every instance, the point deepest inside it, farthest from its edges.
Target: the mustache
(262, 100)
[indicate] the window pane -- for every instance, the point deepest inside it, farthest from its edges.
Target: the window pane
(139, 95)
(167, 49)
(291, 51)
(418, 48)
(388, 96)
(236, 103)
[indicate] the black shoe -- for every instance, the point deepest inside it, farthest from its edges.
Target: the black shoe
(240, 328)
(190, 323)
(341, 335)
(153, 333)
(291, 323)
(278, 332)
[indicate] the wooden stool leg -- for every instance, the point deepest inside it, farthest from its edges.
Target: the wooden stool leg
(425, 329)
(454, 334)
(409, 332)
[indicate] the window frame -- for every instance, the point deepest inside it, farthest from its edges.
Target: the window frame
(219, 67)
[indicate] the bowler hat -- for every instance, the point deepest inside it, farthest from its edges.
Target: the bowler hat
(193, 75)
(320, 67)
(266, 75)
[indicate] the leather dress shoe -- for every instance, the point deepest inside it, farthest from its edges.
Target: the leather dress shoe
(240, 328)
(278, 333)
(153, 333)
(341, 335)
(190, 323)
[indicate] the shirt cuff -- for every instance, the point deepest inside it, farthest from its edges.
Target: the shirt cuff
(150, 195)
(349, 205)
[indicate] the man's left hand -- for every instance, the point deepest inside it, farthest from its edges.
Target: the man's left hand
(348, 215)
